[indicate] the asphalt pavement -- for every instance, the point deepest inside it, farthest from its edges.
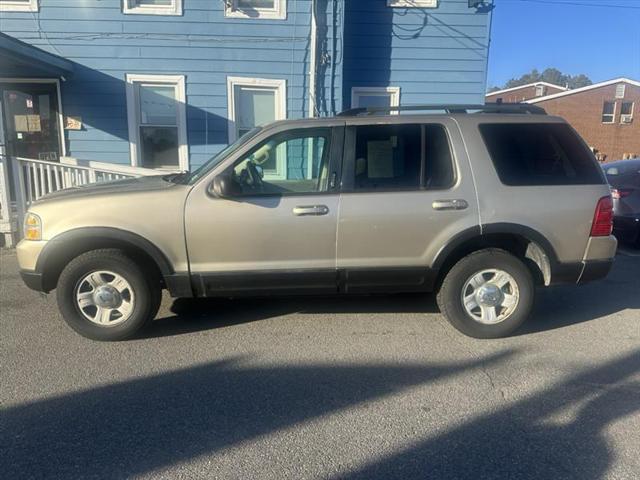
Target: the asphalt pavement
(306, 388)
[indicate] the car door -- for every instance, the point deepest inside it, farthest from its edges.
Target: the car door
(406, 194)
(277, 233)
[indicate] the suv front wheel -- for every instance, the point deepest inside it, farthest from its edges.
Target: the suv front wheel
(487, 294)
(104, 295)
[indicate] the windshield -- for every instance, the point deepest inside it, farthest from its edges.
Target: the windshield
(197, 174)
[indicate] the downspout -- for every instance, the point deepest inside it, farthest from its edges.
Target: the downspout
(313, 45)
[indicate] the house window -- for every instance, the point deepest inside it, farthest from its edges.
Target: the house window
(540, 90)
(608, 112)
(157, 121)
(620, 88)
(413, 3)
(18, 5)
(253, 102)
(273, 9)
(375, 97)
(152, 7)
(626, 112)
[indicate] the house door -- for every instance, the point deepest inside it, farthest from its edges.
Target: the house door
(31, 120)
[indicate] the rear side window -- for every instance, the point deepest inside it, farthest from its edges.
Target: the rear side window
(402, 157)
(539, 154)
(622, 174)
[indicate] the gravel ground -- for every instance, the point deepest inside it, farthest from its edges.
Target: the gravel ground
(368, 387)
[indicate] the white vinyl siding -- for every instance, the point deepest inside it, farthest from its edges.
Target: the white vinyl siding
(152, 7)
(260, 9)
(157, 121)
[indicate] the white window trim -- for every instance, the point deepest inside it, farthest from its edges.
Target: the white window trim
(280, 88)
(627, 115)
(393, 92)
(175, 9)
(63, 146)
(413, 3)
(132, 115)
(613, 115)
(9, 6)
(279, 12)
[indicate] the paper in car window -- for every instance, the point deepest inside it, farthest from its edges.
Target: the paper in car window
(380, 159)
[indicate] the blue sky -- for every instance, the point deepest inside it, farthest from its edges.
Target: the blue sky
(601, 42)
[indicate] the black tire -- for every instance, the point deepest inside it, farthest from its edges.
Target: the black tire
(450, 294)
(145, 286)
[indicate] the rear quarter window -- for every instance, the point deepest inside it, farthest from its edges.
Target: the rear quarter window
(540, 154)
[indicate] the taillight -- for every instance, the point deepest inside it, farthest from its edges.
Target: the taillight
(617, 194)
(603, 218)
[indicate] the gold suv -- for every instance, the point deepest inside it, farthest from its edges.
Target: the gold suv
(477, 203)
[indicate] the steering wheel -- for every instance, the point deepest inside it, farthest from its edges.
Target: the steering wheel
(254, 175)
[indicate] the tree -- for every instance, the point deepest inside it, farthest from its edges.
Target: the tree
(550, 75)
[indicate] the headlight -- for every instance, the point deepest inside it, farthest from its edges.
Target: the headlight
(32, 227)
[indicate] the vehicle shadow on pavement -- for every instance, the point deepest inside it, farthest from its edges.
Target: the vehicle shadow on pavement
(197, 314)
(142, 425)
(129, 428)
(565, 305)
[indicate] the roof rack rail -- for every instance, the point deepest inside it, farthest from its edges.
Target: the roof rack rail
(449, 109)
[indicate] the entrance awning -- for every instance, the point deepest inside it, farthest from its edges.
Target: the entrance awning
(19, 59)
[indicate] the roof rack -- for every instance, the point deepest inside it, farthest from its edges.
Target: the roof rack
(449, 109)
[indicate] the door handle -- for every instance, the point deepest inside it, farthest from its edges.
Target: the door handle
(457, 204)
(304, 210)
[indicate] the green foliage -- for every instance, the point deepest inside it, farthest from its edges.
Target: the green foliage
(550, 75)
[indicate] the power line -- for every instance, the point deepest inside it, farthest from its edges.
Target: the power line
(581, 3)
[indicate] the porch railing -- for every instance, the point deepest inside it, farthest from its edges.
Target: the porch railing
(32, 179)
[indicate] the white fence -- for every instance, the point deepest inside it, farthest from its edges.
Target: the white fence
(32, 179)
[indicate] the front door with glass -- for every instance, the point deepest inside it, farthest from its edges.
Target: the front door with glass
(31, 120)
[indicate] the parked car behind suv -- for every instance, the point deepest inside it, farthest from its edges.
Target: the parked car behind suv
(624, 178)
(479, 204)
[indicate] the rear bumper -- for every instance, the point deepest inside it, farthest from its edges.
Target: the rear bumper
(595, 270)
(33, 280)
(595, 265)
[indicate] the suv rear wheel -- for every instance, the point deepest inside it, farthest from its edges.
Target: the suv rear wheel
(104, 295)
(487, 294)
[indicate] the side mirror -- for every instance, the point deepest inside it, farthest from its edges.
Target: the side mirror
(225, 186)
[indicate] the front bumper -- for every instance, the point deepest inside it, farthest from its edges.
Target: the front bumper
(33, 280)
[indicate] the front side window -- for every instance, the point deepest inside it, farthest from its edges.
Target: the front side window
(608, 112)
(18, 5)
(539, 154)
(272, 9)
(304, 156)
(156, 109)
(153, 7)
(402, 157)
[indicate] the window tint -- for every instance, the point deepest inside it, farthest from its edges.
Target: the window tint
(286, 163)
(540, 154)
(402, 157)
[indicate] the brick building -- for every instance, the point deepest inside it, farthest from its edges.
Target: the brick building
(603, 113)
(524, 92)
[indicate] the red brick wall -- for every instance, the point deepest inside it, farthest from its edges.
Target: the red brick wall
(584, 112)
(520, 94)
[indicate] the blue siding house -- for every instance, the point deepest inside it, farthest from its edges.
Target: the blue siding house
(168, 83)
